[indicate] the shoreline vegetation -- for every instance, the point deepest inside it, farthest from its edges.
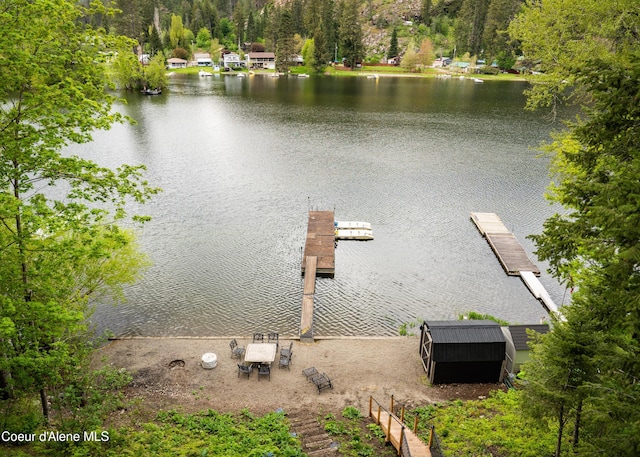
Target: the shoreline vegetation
(365, 71)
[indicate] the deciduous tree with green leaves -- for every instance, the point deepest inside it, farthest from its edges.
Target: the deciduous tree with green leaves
(61, 244)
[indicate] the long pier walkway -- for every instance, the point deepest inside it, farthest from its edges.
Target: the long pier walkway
(318, 260)
(512, 256)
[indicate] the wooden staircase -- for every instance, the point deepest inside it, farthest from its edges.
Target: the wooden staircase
(315, 441)
(396, 432)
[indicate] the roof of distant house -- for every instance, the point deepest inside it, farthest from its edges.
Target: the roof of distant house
(262, 55)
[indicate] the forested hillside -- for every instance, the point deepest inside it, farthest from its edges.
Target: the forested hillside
(355, 30)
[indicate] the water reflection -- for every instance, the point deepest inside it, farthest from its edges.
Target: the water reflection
(240, 159)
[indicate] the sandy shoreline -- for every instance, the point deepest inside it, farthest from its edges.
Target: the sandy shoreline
(167, 373)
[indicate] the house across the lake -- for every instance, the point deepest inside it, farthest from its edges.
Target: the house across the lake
(262, 60)
(463, 351)
(202, 59)
(175, 62)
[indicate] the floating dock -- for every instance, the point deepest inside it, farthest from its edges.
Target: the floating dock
(505, 245)
(512, 256)
(320, 243)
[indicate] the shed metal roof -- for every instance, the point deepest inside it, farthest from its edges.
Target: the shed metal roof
(465, 331)
(520, 337)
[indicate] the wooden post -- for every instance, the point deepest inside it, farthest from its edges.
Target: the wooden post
(391, 408)
(378, 419)
(415, 425)
(389, 429)
(401, 440)
(370, 403)
(431, 436)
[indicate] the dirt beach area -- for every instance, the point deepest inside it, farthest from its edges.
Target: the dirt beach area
(168, 373)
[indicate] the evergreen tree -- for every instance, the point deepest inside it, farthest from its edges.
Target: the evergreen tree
(155, 44)
(470, 26)
(285, 44)
(239, 21)
(329, 28)
(393, 45)
(320, 53)
(350, 33)
(425, 12)
(593, 245)
(495, 39)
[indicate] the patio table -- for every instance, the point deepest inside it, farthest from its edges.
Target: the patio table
(260, 353)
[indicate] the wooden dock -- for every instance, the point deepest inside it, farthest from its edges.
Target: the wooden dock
(318, 260)
(320, 243)
(505, 245)
(306, 321)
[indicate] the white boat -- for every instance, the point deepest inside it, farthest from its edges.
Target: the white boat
(354, 235)
(351, 225)
(373, 76)
(241, 75)
(203, 73)
(477, 80)
(303, 75)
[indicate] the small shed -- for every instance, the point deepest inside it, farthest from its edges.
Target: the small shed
(463, 351)
(518, 344)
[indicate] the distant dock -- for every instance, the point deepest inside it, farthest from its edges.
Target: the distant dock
(512, 256)
(318, 260)
(506, 247)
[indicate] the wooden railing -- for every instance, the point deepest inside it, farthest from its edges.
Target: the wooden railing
(397, 433)
(385, 418)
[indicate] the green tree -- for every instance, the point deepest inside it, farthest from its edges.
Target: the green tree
(563, 36)
(155, 44)
(320, 54)
(410, 57)
(425, 12)
(495, 39)
(393, 45)
(470, 26)
(203, 40)
(156, 74)
(59, 248)
(285, 44)
(127, 71)
(308, 53)
(239, 21)
(591, 49)
(176, 32)
(350, 33)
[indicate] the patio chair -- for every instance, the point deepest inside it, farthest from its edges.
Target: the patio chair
(264, 370)
(285, 361)
(258, 337)
(322, 382)
(245, 369)
(273, 338)
(285, 351)
(236, 351)
(310, 372)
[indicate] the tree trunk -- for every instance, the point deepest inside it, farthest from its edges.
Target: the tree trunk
(45, 405)
(576, 428)
(560, 429)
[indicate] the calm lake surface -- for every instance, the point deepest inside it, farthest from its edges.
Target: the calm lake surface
(242, 160)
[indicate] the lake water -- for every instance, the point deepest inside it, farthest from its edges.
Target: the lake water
(241, 161)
